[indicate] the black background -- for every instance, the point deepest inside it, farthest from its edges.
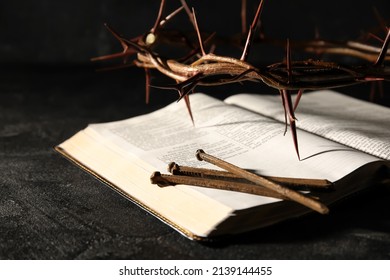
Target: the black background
(47, 31)
(49, 209)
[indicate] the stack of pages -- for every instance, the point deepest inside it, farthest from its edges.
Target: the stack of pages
(341, 139)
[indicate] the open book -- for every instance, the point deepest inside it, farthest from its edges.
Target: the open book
(341, 139)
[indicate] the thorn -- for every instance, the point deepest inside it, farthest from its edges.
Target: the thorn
(289, 109)
(375, 37)
(288, 61)
(125, 44)
(184, 88)
(171, 15)
(147, 85)
(188, 11)
(257, 15)
(187, 86)
(118, 37)
(212, 48)
(245, 52)
(195, 51)
(285, 112)
(188, 105)
(113, 56)
(159, 16)
(297, 99)
(165, 86)
(198, 32)
(252, 31)
(382, 55)
(295, 137)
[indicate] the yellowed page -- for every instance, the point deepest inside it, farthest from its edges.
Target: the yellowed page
(362, 125)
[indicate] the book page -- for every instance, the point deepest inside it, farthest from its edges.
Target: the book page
(244, 138)
(352, 122)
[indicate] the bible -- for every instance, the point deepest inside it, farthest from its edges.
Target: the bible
(341, 139)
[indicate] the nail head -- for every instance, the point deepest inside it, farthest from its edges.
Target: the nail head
(171, 166)
(198, 154)
(155, 176)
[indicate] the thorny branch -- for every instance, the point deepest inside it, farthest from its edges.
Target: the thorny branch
(208, 69)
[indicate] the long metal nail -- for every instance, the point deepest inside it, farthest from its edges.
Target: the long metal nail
(286, 192)
(163, 180)
(177, 169)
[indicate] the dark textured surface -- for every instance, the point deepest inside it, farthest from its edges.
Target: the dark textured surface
(50, 209)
